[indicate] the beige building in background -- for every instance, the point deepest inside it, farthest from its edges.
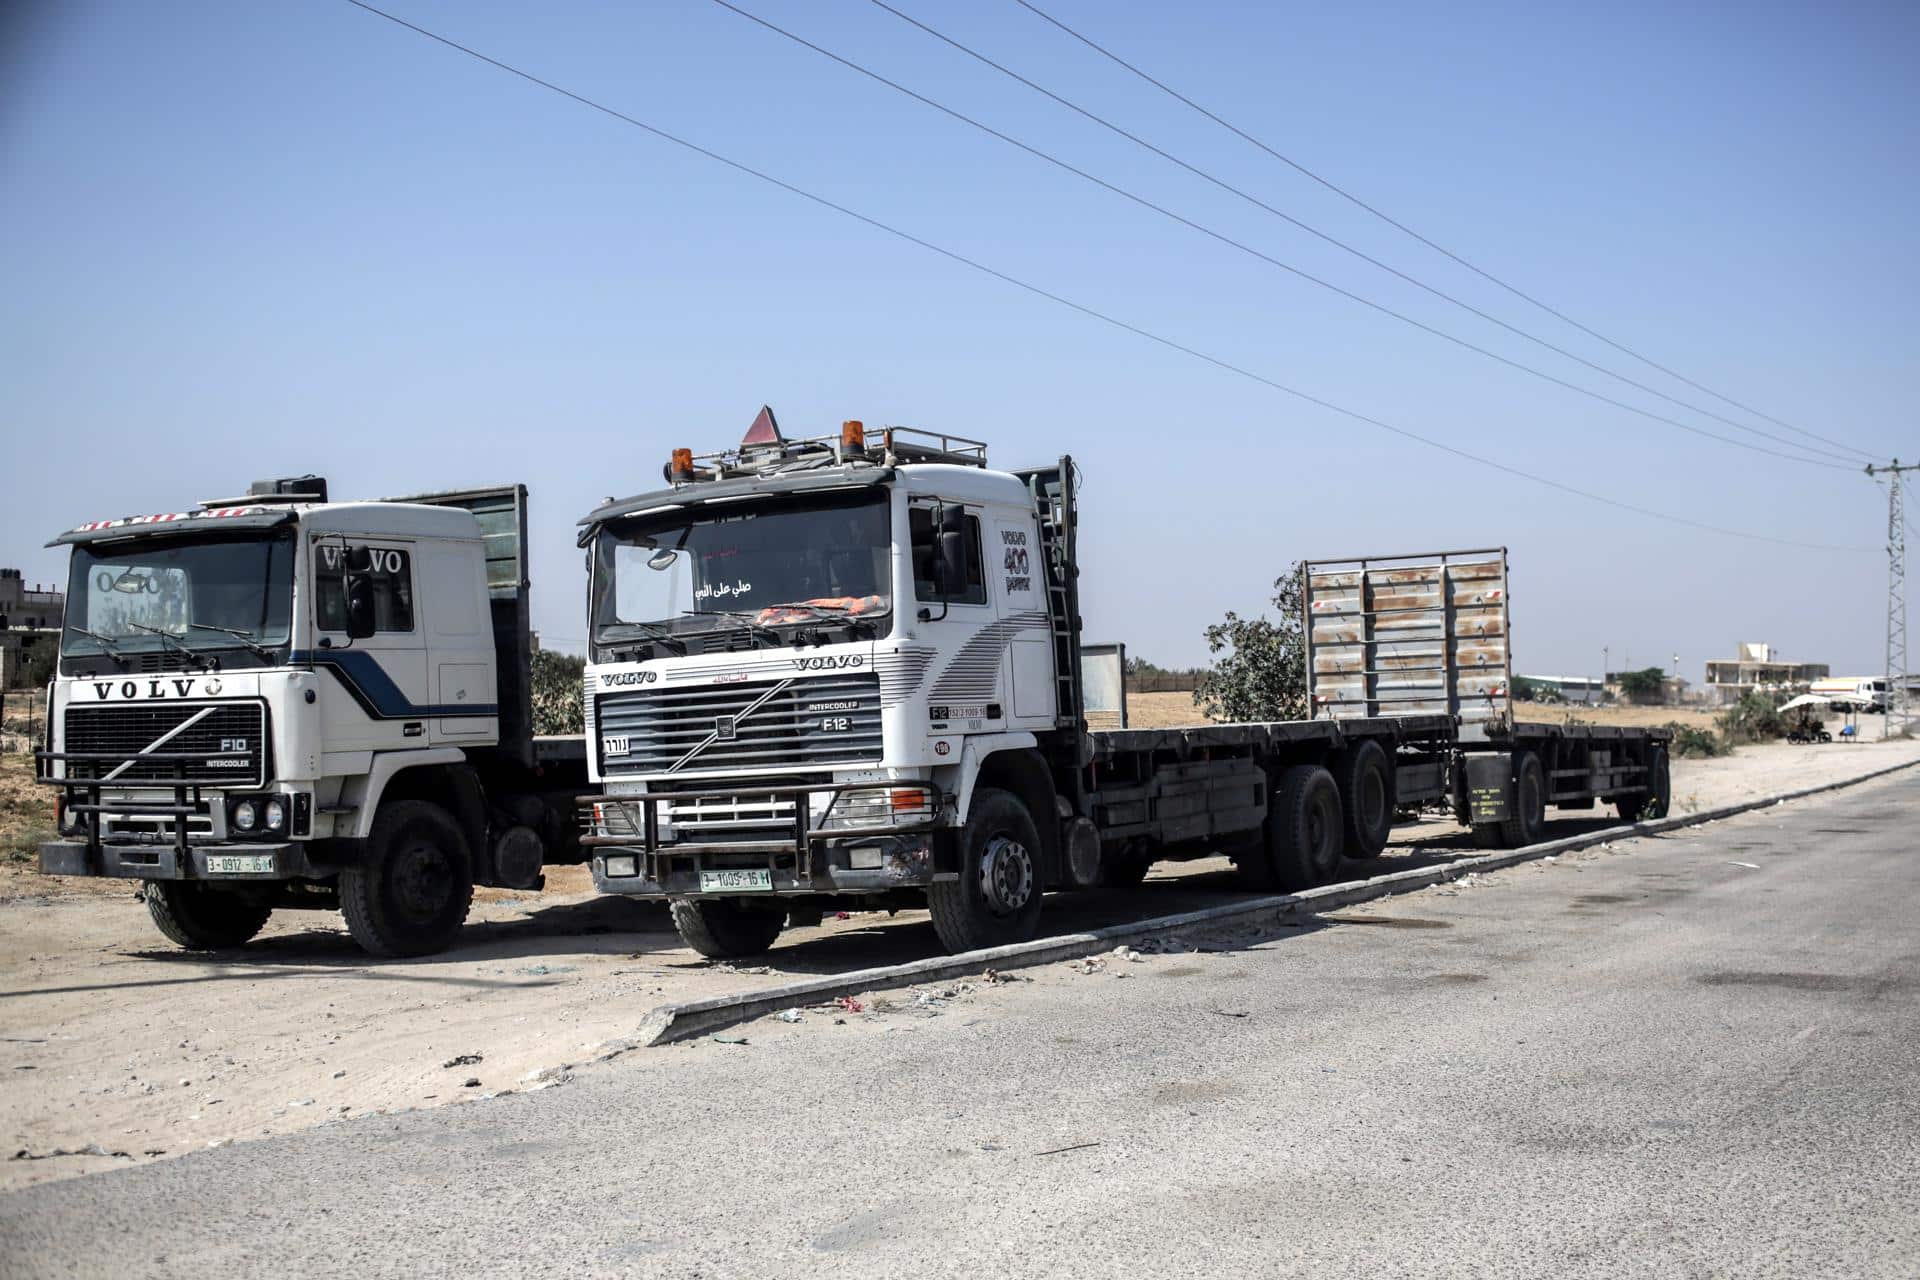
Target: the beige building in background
(1758, 667)
(29, 617)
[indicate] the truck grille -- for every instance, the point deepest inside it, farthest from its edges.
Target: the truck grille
(807, 723)
(129, 728)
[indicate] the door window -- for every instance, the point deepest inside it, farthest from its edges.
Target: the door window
(391, 579)
(972, 589)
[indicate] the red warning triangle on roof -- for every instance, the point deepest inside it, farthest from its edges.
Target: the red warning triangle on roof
(764, 429)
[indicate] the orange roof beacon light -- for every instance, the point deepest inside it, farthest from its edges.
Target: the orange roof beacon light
(853, 436)
(681, 468)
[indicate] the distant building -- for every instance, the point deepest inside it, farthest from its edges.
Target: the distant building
(29, 617)
(1581, 689)
(1759, 667)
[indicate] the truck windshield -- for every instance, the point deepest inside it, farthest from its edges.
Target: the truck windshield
(197, 597)
(804, 563)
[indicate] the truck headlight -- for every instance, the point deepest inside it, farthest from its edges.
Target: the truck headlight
(879, 806)
(622, 865)
(276, 815)
(246, 815)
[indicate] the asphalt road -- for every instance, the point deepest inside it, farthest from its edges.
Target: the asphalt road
(1646, 1060)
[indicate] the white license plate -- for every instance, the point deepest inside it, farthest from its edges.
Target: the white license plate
(235, 864)
(735, 881)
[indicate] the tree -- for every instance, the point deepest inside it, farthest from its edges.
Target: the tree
(1262, 674)
(557, 693)
(1648, 682)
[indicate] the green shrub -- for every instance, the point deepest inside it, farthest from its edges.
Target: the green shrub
(1692, 743)
(1755, 718)
(557, 695)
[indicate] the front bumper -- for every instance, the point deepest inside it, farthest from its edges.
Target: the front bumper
(289, 861)
(659, 852)
(888, 862)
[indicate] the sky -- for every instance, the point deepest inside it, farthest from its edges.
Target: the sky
(242, 240)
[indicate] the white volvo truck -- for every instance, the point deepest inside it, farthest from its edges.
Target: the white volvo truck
(279, 701)
(846, 672)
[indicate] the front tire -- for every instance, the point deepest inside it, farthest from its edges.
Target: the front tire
(996, 900)
(721, 928)
(205, 917)
(410, 893)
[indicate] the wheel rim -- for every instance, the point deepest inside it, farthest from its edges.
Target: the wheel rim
(1006, 875)
(1323, 835)
(422, 880)
(1373, 801)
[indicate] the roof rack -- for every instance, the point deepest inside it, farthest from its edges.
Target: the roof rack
(765, 451)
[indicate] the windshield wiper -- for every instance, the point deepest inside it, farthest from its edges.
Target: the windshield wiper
(828, 612)
(254, 647)
(168, 640)
(651, 630)
(752, 624)
(106, 643)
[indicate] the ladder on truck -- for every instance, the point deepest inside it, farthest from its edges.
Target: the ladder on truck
(1054, 501)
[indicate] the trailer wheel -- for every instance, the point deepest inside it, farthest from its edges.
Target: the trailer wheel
(996, 899)
(205, 917)
(1527, 820)
(1304, 833)
(409, 894)
(1654, 801)
(1367, 799)
(721, 928)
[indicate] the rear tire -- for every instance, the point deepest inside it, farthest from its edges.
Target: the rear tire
(1367, 798)
(409, 894)
(1304, 833)
(721, 928)
(205, 917)
(1527, 823)
(996, 900)
(1656, 799)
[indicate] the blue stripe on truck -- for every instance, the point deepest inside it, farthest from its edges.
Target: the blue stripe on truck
(363, 676)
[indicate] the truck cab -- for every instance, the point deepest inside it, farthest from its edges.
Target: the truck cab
(814, 664)
(281, 701)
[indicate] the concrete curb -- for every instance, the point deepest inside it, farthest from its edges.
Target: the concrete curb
(670, 1022)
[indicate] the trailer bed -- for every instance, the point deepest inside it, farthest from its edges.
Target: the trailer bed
(1266, 736)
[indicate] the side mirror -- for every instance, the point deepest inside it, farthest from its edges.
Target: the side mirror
(359, 607)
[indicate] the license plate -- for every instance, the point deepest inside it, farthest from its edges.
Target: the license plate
(238, 864)
(735, 881)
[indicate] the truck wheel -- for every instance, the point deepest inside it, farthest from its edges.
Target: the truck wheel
(1304, 833)
(1527, 822)
(720, 928)
(996, 900)
(1653, 802)
(1366, 797)
(205, 917)
(410, 892)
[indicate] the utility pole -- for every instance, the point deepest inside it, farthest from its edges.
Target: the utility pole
(1896, 593)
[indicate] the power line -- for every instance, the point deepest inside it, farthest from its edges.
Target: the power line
(1270, 260)
(1082, 308)
(1437, 248)
(1342, 245)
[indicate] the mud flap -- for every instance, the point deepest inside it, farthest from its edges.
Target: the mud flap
(1489, 788)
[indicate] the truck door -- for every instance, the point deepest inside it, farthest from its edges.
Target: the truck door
(383, 677)
(1018, 572)
(959, 619)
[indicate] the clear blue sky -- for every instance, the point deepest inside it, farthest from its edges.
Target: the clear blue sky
(244, 239)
